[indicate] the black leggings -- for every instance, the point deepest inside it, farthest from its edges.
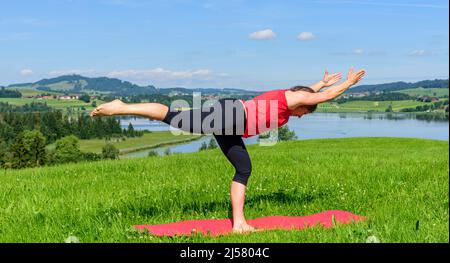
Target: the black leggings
(228, 128)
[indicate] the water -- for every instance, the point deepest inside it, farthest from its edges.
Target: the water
(323, 125)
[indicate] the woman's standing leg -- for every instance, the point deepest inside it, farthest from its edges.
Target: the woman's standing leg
(234, 149)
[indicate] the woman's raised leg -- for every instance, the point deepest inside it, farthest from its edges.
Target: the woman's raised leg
(154, 111)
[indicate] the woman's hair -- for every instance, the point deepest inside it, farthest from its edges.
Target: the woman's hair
(311, 108)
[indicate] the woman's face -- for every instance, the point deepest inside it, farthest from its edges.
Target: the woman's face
(300, 111)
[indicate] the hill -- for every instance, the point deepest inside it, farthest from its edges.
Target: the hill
(394, 86)
(105, 85)
(79, 84)
(101, 201)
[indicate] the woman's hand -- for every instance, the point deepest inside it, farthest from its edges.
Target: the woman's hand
(329, 80)
(353, 78)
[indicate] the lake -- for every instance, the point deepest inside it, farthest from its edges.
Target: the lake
(323, 125)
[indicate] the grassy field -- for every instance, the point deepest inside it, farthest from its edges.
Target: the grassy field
(34, 92)
(148, 140)
(365, 106)
(400, 185)
(55, 103)
(426, 92)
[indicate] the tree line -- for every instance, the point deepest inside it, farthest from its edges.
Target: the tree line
(29, 150)
(6, 93)
(433, 106)
(31, 107)
(24, 135)
(54, 125)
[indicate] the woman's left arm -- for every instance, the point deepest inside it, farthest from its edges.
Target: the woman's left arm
(328, 80)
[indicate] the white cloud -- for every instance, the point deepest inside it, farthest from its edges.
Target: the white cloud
(26, 72)
(358, 51)
(420, 53)
(263, 35)
(305, 36)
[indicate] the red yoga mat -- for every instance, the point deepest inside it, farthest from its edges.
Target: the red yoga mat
(215, 227)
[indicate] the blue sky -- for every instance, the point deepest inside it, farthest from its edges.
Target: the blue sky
(256, 45)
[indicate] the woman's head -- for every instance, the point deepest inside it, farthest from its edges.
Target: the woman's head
(305, 109)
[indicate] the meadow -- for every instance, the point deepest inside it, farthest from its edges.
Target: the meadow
(432, 92)
(55, 103)
(400, 185)
(147, 141)
(35, 92)
(365, 106)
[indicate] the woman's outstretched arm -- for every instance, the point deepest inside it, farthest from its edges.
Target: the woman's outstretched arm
(299, 98)
(327, 81)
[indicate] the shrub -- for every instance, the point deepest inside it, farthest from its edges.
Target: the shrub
(67, 150)
(109, 151)
(28, 150)
(152, 153)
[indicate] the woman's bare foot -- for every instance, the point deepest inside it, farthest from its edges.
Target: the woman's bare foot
(107, 109)
(243, 228)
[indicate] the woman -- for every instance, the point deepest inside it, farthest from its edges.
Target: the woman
(233, 119)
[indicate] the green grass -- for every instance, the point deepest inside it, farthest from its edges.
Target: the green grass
(62, 85)
(55, 103)
(365, 106)
(148, 140)
(34, 92)
(31, 86)
(433, 92)
(400, 185)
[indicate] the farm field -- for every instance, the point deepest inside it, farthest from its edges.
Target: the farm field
(426, 92)
(365, 106)
(55, 103)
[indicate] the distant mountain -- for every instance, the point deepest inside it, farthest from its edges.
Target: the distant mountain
(77, 83)
(437, 83)
(81, 84)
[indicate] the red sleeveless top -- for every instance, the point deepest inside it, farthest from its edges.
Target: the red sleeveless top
(266, 112)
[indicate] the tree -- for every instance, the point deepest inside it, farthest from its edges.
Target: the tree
(203, 147)
(85, 98)
(67, 150)
(109, 151)
(6, 93)
(2, 152)
(284, 134)
(152, 153)
(90, 156)
(28, 150)
(130, 130)
(212, 144)
(389, 109)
